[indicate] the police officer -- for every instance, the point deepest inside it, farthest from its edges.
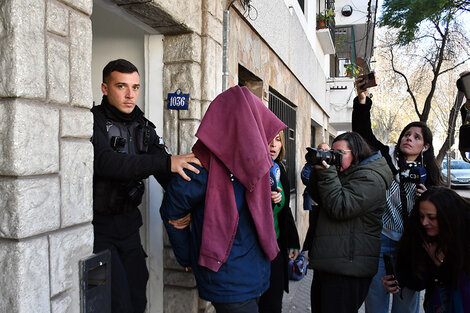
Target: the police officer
(127, 150)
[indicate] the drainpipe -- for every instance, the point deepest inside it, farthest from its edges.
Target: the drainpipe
(225, 59)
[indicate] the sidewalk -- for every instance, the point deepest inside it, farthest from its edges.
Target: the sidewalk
(298, 298)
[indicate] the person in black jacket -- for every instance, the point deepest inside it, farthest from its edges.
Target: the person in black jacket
(413, 151)
(286, 233)
(126, 151)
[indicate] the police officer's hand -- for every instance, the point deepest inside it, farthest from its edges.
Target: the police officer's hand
(180, 162)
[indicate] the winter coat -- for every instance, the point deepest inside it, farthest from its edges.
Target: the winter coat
(347, 235)
(245, 274)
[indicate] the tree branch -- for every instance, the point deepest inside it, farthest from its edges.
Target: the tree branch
(408, 89)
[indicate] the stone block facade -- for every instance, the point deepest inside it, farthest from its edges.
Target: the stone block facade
(47, 159)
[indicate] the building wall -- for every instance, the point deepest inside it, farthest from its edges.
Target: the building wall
(46, 163)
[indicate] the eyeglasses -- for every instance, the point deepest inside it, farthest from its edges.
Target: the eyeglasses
(344, 152)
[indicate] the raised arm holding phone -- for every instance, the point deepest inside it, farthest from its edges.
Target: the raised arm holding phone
(413, 151)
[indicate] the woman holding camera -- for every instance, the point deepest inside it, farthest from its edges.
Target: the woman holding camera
(434, 252)
(286, 233)
(346, 244)
(414, 149)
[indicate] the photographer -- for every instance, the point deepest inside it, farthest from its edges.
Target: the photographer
(413, 150)
(346, 244)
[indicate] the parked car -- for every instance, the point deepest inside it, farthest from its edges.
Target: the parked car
(459, 173)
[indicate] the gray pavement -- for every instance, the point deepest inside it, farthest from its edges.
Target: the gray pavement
(298, 298)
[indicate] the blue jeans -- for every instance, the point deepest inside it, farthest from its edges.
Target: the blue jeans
(378, 299)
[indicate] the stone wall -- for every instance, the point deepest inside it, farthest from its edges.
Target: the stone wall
(46, 162)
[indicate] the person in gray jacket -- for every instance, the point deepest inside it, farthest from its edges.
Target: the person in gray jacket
(346, 244)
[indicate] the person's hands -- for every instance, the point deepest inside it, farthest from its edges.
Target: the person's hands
(420, 189)
(181, 223)
(293, 254)
(361, 93)
(323, 166)
(430, 248)
(390, 284)
(276, 196)
(180, 162)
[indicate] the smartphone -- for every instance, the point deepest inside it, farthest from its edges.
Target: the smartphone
(389, 266)
(463, 85)
(369, 80)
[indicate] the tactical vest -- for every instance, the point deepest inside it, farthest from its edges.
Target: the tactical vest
(116, 197)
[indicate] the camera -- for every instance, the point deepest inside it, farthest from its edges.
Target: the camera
(463, 85)
(316, 157)
(369, 80)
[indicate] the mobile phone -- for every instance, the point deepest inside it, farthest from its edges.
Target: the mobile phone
(463, 85)
(389, 266)
(369, 80)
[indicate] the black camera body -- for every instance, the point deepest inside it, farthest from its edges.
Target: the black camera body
(316, 157)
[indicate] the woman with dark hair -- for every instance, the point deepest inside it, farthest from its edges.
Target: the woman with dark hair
(286, 233)
(434, 252)
(414, 149)
(346, 243)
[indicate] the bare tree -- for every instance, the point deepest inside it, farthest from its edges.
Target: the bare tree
(443, 51)
(450, 140)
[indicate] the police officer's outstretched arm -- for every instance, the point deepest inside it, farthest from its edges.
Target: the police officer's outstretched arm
(181, 162)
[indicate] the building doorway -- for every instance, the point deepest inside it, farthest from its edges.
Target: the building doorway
(117, 34)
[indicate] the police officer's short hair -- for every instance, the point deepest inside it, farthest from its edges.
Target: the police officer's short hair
(119, 65)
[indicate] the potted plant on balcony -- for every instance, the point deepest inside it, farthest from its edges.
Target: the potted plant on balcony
(352, 70)
(325, 17)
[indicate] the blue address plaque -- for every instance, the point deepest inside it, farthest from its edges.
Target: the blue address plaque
(178, 100)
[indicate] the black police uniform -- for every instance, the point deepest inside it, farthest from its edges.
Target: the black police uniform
(126, 150)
